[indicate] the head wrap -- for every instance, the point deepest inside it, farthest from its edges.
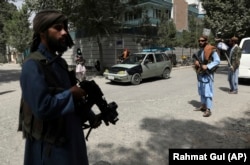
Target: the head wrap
(44, 20)
(235, 39)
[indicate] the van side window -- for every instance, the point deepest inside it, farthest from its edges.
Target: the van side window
(150, 58)
(246, 47)
(166, 56)
(159, 57)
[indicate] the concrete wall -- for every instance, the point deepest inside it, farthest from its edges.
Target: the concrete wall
(112, 49)
(184, 51)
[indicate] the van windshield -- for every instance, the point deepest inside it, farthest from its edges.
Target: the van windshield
(134, 59)
(246, 47)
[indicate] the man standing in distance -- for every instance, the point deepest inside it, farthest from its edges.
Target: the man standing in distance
(233, 70)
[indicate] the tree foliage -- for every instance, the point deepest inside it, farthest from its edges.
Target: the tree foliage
(230, 17)
(188, 38)
(100, 17)
(91, 15)
(146, 32)
(96, 18)
(17, 29)
(68, 7)
(6, 13)
(167, 32)
(185, 39)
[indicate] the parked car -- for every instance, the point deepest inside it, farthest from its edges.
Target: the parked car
(139, 66)
(244, 68)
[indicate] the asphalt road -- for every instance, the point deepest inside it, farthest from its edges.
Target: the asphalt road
(153, 117)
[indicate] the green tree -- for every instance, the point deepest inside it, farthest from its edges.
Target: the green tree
(147, 32)
(97, 18)
(185, 39)
(100, 19)
(68, 7)
(17, 29)
(167, 32)
(194, 30)
(229, 17)
(6, 12)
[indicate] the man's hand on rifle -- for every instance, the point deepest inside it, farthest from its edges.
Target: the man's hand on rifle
(232, 68)
(77, 92)
(200, 68)
(204, 67)
(196, 63)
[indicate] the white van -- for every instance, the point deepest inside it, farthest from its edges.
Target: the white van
(244, 69)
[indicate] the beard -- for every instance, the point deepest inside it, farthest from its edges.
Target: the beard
(56, 45)
(202, 45)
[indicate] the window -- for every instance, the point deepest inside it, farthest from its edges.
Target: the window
(159, 57)
(150, 58)
(130, 16)
(246, 47)
(165, 56)
(157, 13)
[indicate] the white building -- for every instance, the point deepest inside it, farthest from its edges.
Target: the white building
(199, 4)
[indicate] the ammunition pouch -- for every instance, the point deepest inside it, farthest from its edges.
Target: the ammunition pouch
(51, 131)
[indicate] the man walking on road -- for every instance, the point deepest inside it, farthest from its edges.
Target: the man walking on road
(206, 60)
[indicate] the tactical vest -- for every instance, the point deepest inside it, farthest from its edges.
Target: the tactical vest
(51, 131)
(207, 59)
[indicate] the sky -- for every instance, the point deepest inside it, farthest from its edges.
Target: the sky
(18, 3)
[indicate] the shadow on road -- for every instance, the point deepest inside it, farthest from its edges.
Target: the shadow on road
(171, 133)
(9, 75)
(144, 81)
(195, 103)
(224, 89)
(242, 82)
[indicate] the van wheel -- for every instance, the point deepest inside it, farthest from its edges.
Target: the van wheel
(166, 73)
(136, 79)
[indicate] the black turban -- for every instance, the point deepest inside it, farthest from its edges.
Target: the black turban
(44, 20)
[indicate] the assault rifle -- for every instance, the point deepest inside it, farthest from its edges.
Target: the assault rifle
(95, 97)
(199, 69)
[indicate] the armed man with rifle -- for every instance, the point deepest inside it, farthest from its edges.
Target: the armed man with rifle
(205, 63)
(54, 107)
